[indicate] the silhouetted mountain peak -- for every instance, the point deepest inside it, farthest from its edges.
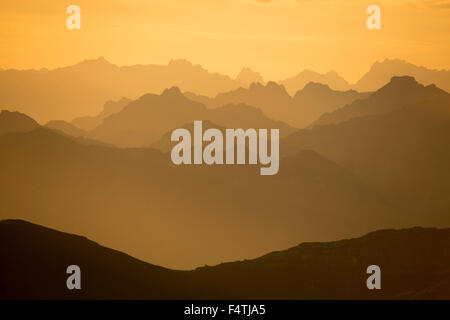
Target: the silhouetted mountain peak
(16, 122)
(111, 106)
(99, 62)
(405, 81)
(332, 73)
(256, 86)
(247, 77)
(13, 115)
(331, 78)
(275, 86)
(172, 92)
(388, 62)
(183, 64)
(271, 87)
(403, 86)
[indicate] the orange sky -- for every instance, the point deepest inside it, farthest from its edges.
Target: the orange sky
(277, 38)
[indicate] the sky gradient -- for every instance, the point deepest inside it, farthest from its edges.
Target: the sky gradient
(277, 38)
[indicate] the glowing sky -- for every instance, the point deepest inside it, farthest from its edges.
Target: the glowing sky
(277, 38)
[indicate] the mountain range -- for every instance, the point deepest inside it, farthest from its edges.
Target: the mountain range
(397, 93)
(143, 121)
(137, 201)
(300, 111)
(79, 90)
(331, 79)
(351, 162)
(413, 262)
(396, 141)
(247, 76)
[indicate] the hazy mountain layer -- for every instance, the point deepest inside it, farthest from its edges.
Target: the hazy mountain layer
(246, 76)
(401, 150)
(66, 128)
(299, 81)
(143, 121)
(307, 105)
(16, 122)
(78, 90)
(400, 91)
(137, 201)
(381, 72)
(88, 123)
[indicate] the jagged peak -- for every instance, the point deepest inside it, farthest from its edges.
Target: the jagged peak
(99, 61)
(172, 92)
(403, 81)
(246, 72)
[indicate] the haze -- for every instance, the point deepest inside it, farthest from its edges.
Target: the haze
(277, 38)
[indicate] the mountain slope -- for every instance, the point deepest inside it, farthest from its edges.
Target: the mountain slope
(65, 127)
(106, 273)
(16, 122)
(110, 107)
(414, 264)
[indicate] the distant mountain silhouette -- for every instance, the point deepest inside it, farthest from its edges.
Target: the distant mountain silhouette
(381, 72)
(272, 98)
(145, 120)
(78, 90)
(88, 123)
(66, 128)
(400, 91)
(16, 122)
(247, 77)
(298, 82)
(396, 142)
(316, 99)
(300, 111)
(130, 199)
(243, 116)
(414, 265)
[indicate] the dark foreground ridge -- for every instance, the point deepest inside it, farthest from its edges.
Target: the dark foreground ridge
(415, 264)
